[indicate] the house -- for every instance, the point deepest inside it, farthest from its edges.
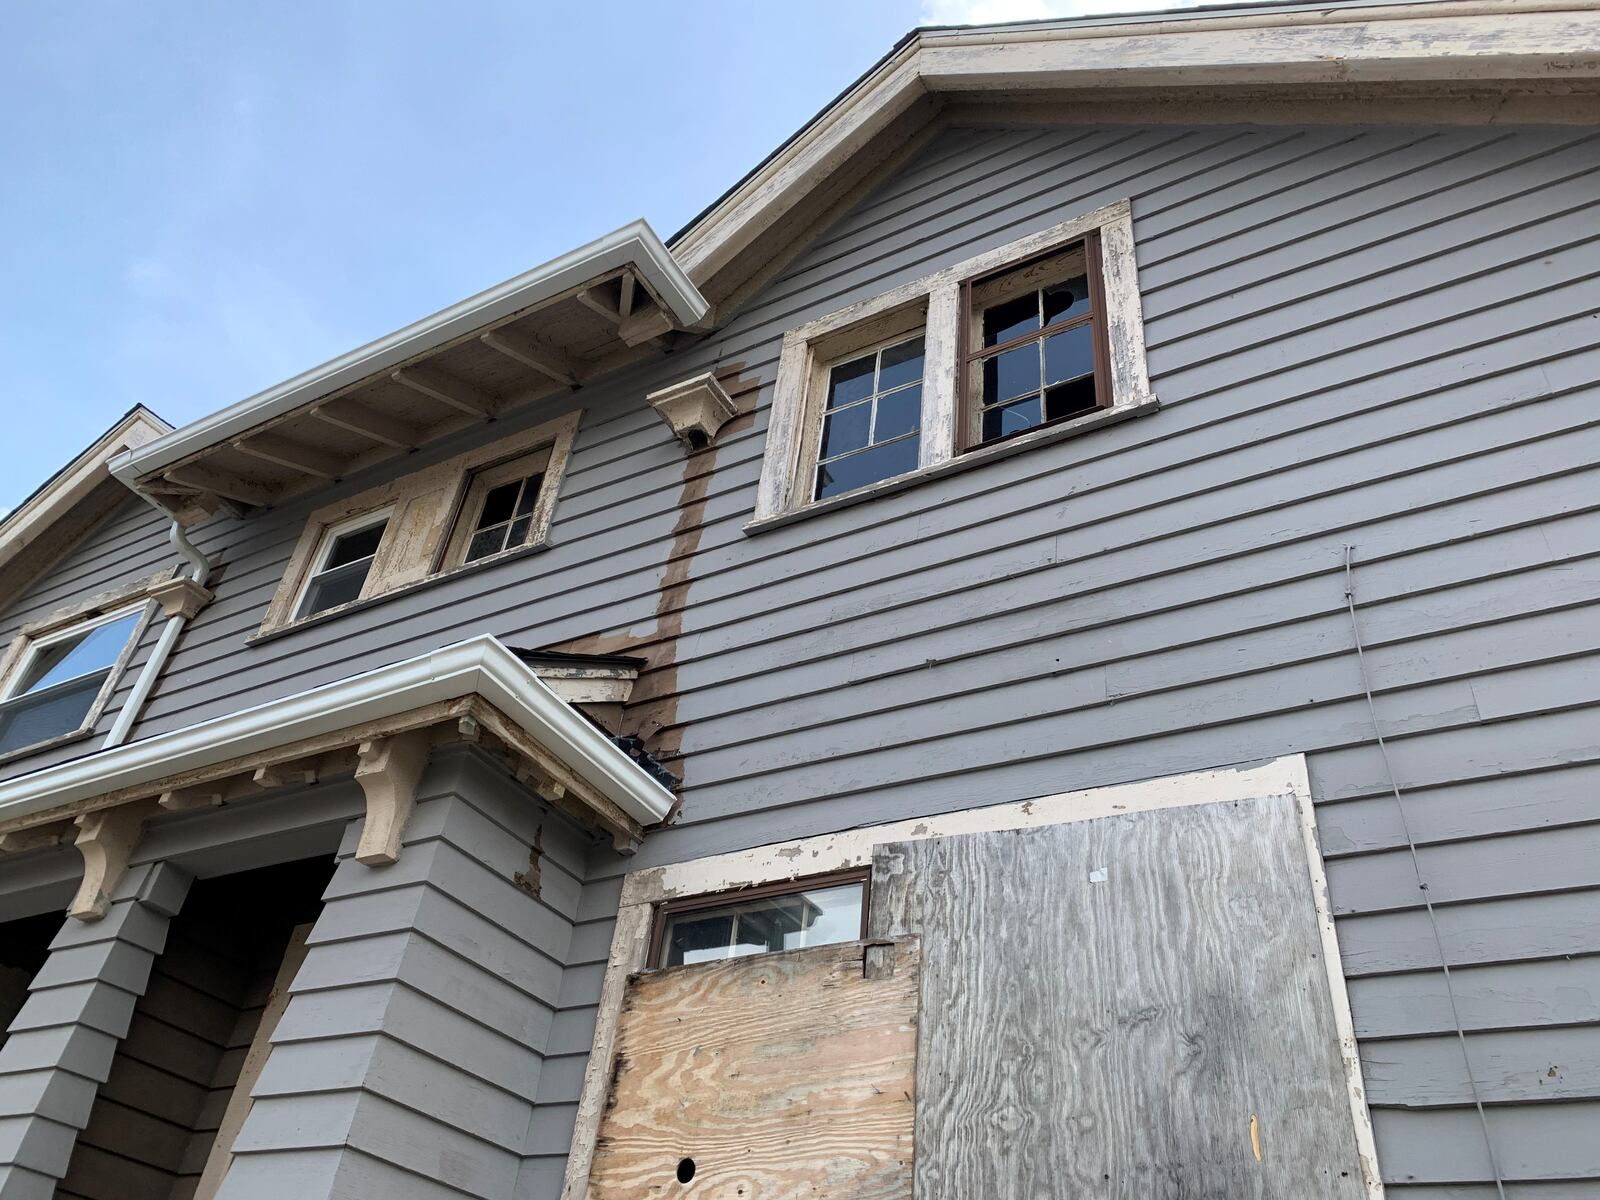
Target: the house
(1045, 645)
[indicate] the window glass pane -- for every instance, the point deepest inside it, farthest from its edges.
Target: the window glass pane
(901, 365)
(93, 650)
(869, 466)
(1007, 419)
(530, 494)
(499, 504)
(1014, 373)
(1070, 399)
(1063, 300)
(48, 713)
(357, 544)
(790, 921)
(1068, 355)
(486, 542)
(1010, 320)
(339, 586)
(851, 381)
(898, 413)
(519, 531)
(846, 430)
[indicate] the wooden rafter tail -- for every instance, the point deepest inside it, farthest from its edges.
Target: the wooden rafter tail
(552, 364)
(451, 392)
(363, 421)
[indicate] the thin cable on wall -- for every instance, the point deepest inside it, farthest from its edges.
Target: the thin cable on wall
(1416, 866)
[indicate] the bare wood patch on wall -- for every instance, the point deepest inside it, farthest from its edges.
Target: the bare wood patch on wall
(782, 1075)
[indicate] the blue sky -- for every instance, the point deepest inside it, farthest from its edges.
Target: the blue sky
(204, 199)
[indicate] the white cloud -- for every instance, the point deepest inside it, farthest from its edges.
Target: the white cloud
(984, 12)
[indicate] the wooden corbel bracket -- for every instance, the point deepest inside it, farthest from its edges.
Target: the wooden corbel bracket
(106, 840)
(389, 771)
(695, 409)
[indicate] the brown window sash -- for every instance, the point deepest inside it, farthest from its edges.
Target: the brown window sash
(715, 900)
(966, 404)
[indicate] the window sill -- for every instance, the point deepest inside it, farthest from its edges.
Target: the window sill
(961, 462)
(61, 739)
(366, 602)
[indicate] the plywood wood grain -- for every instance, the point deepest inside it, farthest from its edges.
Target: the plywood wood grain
(779, 1076)
(1133, 1007)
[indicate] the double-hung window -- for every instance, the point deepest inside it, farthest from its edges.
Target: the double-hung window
(60, 681)
(343, 564)
(1039, 339)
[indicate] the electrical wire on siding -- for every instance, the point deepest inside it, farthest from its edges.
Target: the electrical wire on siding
(1416, 866)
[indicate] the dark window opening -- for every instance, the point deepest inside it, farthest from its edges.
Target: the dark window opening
(871, 419)
(1035, 346)
(346, 562)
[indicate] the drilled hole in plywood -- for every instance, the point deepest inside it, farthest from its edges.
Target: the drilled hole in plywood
(685, 1170)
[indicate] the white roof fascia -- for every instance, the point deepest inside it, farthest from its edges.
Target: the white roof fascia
(480, 666)
(635, 245)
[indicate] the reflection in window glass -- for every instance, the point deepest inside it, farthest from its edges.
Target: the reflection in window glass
(60, 683)
(872, 419)
(788, 921)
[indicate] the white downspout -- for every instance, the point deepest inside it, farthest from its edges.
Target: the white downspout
(199, 571)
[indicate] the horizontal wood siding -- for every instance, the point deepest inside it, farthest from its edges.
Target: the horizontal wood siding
(410, 1051)
(1385, 338)
(129, 545)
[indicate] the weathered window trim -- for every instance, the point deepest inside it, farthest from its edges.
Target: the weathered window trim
(427, 506)
(83, 614)
(935, 303)
(711, 901)
(480, 481)
(317, 565)
(643, 892)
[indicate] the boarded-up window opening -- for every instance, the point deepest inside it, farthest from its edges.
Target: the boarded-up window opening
(1133, 1006)
(785, 1075)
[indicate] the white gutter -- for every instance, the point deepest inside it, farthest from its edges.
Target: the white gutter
(480, 666)
(635, 246)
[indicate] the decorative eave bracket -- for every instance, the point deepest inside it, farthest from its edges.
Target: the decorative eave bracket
(695, 409)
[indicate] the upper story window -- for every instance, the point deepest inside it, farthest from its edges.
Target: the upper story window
(761, 920)
(501, 507)
(872, 416)
(1039, 339)
(1035, 350)
(343, 564)
(56, 684)
(495, 501)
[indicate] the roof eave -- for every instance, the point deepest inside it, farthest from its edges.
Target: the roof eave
(634, 245)
(481, 666)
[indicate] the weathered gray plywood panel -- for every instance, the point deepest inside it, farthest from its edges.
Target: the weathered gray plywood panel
(1135, 1006)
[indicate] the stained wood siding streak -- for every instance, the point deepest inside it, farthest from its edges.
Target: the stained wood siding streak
(411, 1047)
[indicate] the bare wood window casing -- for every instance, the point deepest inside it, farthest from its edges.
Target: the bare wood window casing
(1080, 365)
(428, 524)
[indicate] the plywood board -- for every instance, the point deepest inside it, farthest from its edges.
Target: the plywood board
(782, 1075)
(1130, 1007)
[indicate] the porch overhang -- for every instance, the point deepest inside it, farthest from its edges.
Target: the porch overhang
(375, 723)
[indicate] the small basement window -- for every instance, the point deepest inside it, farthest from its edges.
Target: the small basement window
(61, 681)
(501, 509)
(761, 920)
(343, 563)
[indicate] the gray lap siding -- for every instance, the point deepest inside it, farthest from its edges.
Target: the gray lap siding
(1385, 337)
